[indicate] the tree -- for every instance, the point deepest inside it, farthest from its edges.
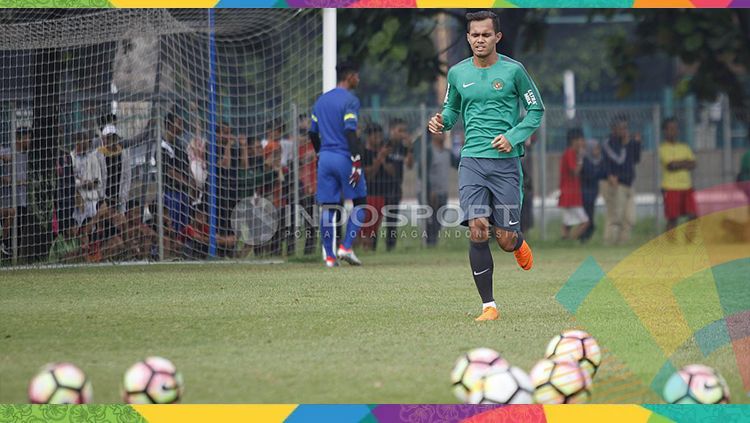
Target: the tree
(714, 44)
(396, 48)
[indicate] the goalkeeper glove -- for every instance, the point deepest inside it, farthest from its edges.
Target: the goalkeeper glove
(356, 171)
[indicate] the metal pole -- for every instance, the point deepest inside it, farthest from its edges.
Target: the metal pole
(329, 49)
(543, 172)
(212, 136)
(159, 183)
(727, 136)
(656, 116)
(295, 167)
(14, 185)
(423, 117)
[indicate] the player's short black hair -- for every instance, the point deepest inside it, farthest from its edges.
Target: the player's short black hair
(346, 68)
(573, 134)
(482, 15)
(667, 121)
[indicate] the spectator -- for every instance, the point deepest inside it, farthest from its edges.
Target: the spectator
(140, 239)
(677, 161)
(574, 218)
(377, 168)
(399, 156)
(118, 169)
(175, 165)
(621, 154)
(439, 162)
(19, 214)
(308, 167)
(231, 161)
(196, 152)
(197, 236)
(592, 173)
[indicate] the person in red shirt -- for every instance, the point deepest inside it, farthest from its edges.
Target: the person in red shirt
(574, 218)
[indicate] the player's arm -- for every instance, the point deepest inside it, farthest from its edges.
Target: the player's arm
(452, 103)
(314, 133)
(351, 115)
(532, 102)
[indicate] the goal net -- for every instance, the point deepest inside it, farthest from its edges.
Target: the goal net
(155, 134)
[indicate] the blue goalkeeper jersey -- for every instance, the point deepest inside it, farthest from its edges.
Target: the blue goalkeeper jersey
(333, 113)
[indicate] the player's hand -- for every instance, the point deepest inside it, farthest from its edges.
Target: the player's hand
(502, 144)
(356, 171)
(435, 125)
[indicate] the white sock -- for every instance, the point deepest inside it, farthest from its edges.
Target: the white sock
(489, 304)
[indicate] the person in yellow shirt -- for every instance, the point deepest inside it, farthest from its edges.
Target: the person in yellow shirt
(677, 161)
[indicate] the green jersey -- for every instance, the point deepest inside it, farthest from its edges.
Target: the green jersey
(488, 99)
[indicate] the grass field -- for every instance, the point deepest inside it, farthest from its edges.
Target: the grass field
(387, 332)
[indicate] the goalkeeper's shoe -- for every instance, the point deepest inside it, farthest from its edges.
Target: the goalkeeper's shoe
(524, 257)
(488, 313)
(331, 262)
(348, 256)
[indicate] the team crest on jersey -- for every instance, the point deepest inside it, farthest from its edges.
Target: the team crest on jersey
(498, 84)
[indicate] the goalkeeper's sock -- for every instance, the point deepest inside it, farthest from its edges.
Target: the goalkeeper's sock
(482, 266)
(355, 222)
(326, 231)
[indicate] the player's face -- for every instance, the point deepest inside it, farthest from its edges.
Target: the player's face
(670, 131)
(483, 38)
(353, 80)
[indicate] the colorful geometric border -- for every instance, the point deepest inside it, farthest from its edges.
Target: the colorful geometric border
(382, 3)
(356, 413)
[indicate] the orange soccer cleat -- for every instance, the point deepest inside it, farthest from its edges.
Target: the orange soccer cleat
(489, 313)
(524, 256)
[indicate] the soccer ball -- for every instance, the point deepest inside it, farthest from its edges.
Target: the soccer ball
(559, 381)
(696, 384)
(509, 385)
(471, 366)
(60, 383)
(154, 380)
(576, 345)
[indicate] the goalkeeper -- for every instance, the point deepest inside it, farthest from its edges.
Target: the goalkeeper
(333, 133)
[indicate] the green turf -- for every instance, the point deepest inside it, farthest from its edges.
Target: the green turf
(387, 332)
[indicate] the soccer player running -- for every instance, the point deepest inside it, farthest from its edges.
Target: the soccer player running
(486, 90)
(333, 133)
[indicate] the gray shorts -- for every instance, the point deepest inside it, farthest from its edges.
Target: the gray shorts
(491, 188)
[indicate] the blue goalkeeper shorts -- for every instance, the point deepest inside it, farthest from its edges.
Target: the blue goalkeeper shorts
(334, 170)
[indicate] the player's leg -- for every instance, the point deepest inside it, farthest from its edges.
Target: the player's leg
(691, 211)
(628, 213)
(581, 223)
(504, 180)
(474, 198)
(671, 213)
(328, 196)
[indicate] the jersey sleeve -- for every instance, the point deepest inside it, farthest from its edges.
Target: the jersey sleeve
(351, 114)
(532, 102)
(452, 103)
(314, 121)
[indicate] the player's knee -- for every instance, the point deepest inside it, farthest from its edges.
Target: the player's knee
(506, 239)
(479, 229)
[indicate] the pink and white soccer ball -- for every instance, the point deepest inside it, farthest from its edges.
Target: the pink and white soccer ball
(470, 367)
(696, 384)
(154, 380)
(576, 345)
(60, 383)
(560, 381)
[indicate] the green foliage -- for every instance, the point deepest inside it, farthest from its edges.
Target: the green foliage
(714, 44)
